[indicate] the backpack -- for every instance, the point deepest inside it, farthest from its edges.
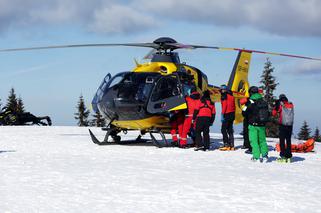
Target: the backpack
(287, 114)
(206, 106)
(262, 109)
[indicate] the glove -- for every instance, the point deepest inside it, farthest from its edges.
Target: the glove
(222, 118)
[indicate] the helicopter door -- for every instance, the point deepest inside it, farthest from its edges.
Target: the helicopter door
(166, 95)
(100, 91)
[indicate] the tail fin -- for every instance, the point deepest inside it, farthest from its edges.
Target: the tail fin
(238, 82)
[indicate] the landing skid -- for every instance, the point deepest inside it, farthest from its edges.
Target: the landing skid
(156, 142)
(117, 139)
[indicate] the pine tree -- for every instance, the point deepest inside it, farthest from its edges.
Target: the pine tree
(268, 82)
(20, 106)
(83, 113)
(317, 136)
(98, 120)
(12, 101)
(305, 132)
(269, 85)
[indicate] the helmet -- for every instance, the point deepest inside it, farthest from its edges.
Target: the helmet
(253, 90)
(283, 97)
(223, 87)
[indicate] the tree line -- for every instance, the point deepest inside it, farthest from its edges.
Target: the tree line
(82, 115)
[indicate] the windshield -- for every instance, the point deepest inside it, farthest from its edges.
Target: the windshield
(135, 86)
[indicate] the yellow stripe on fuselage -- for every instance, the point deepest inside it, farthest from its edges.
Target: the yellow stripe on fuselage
(161, 122)
(180, 107)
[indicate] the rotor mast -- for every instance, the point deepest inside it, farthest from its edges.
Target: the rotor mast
(164, 51)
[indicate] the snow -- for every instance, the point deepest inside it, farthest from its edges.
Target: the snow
(59, 169)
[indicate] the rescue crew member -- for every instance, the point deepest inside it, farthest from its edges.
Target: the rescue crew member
(176, 121)
(192, 102)
(227, 118)
(204, 116)
(285, 110)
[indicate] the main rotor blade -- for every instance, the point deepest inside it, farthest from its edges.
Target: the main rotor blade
(271, 53)
(150, 45)
(156, 46)
(190, 46)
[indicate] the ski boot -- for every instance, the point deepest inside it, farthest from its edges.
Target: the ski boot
(224, 148)
(199, 148)
(232, 148)
(264, 159)
(254, 160)
(281, 160)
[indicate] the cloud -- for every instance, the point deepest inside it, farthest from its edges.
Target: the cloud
(42, 67)
(121, 19)
(286, 17)
(101, 16)
(306, 68)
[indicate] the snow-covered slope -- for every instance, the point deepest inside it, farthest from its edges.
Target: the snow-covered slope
(59, 169)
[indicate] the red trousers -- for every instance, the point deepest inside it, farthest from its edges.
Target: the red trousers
(177, 126)
(186, 128)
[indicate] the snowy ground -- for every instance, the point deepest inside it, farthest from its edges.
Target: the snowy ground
(58, 169)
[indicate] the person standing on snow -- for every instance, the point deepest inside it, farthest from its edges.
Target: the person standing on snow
(258, 114)
(192, 101)
(285, 110)
(176, 121)
(246, 140)
(204, 116)
(227, 118)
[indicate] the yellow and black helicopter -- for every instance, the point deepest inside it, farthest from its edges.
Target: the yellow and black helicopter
(143, 98)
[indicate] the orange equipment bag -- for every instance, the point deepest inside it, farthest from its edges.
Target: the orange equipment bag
(301, 147)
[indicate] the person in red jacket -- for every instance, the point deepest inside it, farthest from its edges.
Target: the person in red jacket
(204, 116)
(192, 101)
(227, 118)
(176, 122)
(285, 110)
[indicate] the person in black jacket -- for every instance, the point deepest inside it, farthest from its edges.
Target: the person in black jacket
(246, 141)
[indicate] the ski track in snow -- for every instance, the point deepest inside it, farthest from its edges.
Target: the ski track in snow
(59, 169)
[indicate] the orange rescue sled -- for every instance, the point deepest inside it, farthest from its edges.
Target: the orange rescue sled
(301, 147)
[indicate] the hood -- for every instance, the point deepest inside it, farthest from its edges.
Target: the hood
(195, 95)
(256, 96)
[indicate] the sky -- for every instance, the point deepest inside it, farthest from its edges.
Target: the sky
(51, 81)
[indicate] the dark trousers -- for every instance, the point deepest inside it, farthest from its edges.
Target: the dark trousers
(227, 130)
(285, 133)
(246, 140)
(203, 125)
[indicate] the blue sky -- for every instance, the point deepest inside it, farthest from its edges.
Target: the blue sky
(51, 81)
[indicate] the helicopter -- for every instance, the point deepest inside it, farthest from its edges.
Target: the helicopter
(142, 99)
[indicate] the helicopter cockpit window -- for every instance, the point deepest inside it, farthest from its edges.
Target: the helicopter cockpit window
(136, 86)
(166, 88)
(116, 80)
